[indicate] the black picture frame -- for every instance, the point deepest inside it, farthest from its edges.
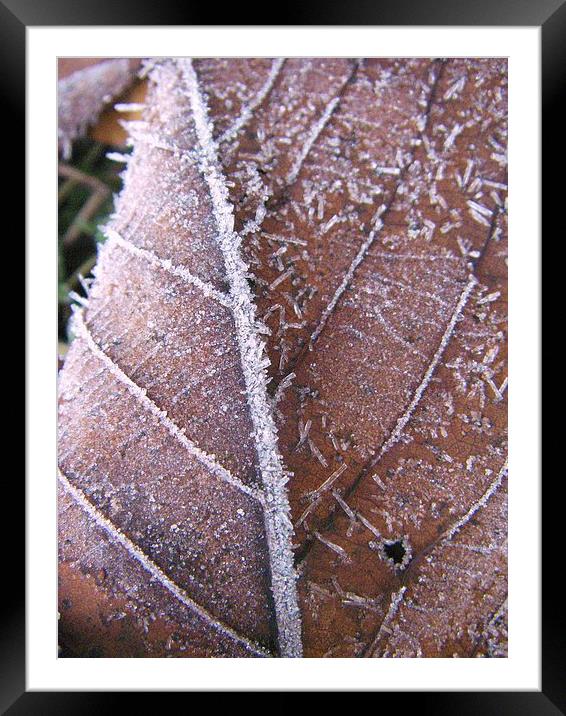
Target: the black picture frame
(550, 15)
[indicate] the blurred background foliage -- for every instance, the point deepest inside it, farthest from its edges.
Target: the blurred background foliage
(87, 183)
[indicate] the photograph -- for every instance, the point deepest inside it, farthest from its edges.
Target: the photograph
(283, 352)
(282, 357)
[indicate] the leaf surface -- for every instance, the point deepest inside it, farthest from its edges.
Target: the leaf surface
(173, 444)
(369, 198)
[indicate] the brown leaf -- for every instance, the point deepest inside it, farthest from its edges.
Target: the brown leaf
(370, 200)
(86, 86)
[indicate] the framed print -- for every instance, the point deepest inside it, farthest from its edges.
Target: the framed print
(282, 389)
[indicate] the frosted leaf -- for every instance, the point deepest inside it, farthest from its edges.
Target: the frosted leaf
(179, 442)
(352, 215)
(83, 94)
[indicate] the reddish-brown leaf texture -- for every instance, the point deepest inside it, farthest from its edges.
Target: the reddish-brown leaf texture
(369, 200)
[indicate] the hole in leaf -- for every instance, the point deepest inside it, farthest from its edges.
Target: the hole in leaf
(395, 551)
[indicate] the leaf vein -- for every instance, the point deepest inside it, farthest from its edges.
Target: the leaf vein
(444, 538)
(140, 394)
(248, 110)
(154, 570)
(378, 224)
(278, 526)
(417, 395)
(179, 271)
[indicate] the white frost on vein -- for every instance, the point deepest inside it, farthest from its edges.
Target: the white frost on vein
(206, 288)
(396, 599)
(348, 276)
(311, 139)
(278, 525)
(491, 490)
(154, 570)
(404, 419)
(80, 330)
(248, 110)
